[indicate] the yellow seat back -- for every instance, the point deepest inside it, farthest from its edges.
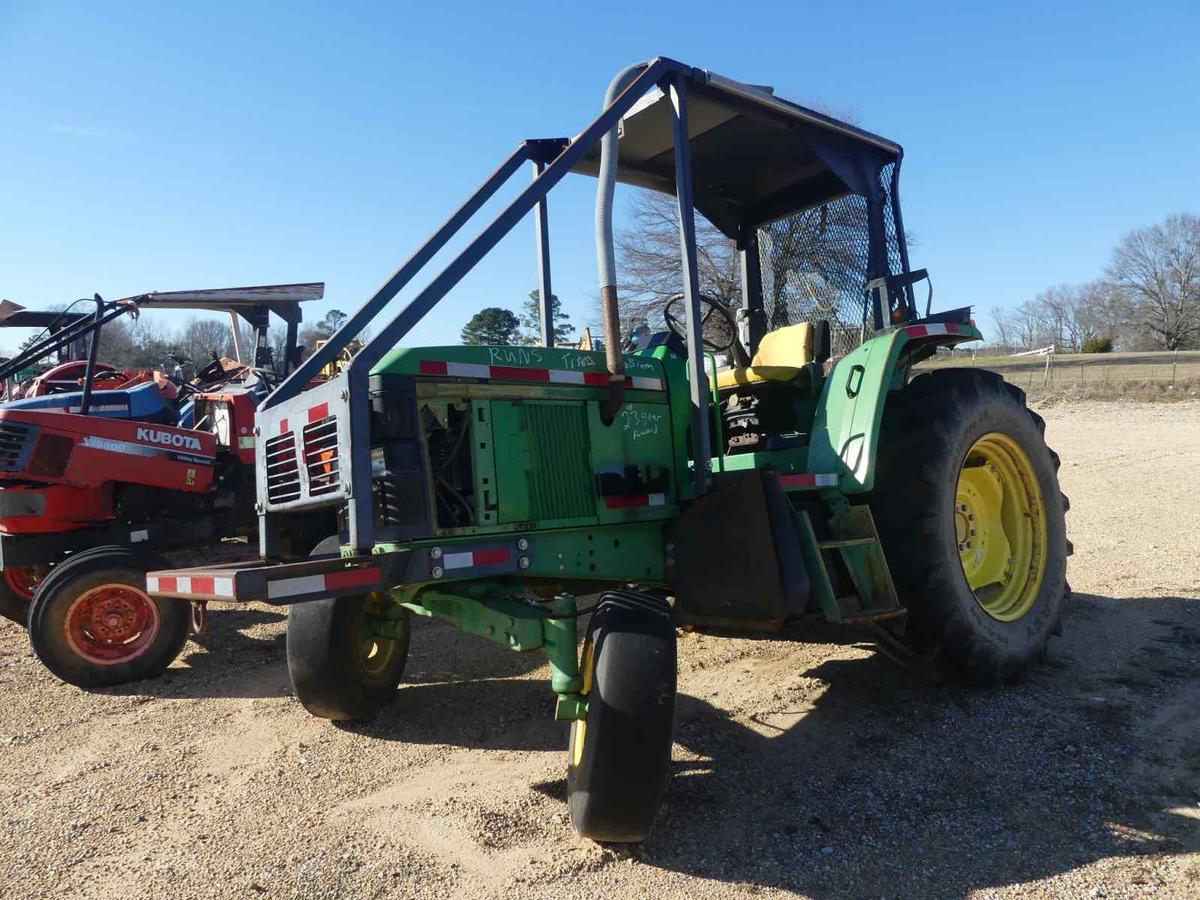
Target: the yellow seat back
(790, 347)
(781, 354)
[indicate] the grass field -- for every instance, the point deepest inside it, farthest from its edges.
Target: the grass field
(1154, 375)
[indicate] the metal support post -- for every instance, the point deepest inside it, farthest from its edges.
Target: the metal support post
(85, 402)
(698, 379)
(541, 225)
(752, 295)
(260, 321)
(235, 324)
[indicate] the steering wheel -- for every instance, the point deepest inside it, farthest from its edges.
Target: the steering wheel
(675, 316)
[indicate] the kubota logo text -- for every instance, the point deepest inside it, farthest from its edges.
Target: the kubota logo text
(168, 438)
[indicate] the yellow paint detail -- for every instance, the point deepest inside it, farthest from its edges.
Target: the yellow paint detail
(781, 355)
(579, 726)
(375, 654)
(1000, 527)
(191, 477)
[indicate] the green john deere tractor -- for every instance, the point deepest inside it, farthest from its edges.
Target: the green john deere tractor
(732, 474)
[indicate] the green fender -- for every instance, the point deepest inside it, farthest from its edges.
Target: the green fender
(845, 438)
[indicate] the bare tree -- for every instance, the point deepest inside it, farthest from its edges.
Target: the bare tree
(1102, 312)
(1002, 327)
(649, 261)
(117, 346)
(202, 337)
(1158, 270)
(1066, 315)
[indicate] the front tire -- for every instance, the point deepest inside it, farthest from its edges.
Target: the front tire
(92, 623)
(972, 523)
(340, 668)
(620, 752)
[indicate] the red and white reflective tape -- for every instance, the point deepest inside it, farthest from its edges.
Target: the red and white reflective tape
(522, 373)
(222, 586)
(330, 582)
(314, 414)
(916, 331)
(635, 501)
(804, 480)
(472, 559)
(640, 383)
(210, 585)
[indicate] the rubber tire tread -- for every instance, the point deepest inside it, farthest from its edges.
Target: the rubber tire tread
(98, 565)
(616, 791)
(927, 429)
(322, 656)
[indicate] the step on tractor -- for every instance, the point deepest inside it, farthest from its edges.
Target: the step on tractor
(103, 469)
(737, 473)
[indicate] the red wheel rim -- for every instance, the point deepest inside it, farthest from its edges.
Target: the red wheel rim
(23, 581)
(111, 623)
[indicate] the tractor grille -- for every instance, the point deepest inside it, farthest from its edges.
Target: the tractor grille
(283, 474)
(321, 456)
(14, 439)
(560, 477)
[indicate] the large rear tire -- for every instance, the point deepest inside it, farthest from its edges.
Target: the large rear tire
(92, 623)
(620, 752)
(971, 519)
(341, 669)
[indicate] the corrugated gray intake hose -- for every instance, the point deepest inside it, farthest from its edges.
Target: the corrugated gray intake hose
(606, 258)
(606, 255)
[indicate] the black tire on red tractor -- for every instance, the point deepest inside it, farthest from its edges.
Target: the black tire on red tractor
(340, 667)
(93, 625)
(620, 753)
(971, 519)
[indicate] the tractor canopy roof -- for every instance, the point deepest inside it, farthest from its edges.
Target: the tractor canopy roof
(755, 157)
(255, 304)
(281, 299)
(13, 315)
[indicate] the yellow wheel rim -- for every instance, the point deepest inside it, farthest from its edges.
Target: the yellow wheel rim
(1000, 527)
(579, 726)
(375, 653)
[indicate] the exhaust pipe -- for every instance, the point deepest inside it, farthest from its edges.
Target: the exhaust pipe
(606, 257)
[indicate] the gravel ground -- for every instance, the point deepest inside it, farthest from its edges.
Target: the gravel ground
(821, 769)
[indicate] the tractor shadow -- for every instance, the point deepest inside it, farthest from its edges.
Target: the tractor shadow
(890, 786)
(463, 690)
(240, 655)
(243, 654)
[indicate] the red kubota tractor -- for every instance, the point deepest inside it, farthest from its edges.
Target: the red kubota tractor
(103, 470)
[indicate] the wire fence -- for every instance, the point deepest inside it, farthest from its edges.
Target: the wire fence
(1094, 372)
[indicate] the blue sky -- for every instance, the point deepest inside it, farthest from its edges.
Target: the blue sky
(149, 146)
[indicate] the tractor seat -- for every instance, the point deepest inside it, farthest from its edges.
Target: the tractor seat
(782, 355)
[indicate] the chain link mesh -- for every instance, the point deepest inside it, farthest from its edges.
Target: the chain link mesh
(814, 265)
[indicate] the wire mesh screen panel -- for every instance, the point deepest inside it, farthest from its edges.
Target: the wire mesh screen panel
(815, 266)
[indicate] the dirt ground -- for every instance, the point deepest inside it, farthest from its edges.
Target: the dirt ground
(822, 769)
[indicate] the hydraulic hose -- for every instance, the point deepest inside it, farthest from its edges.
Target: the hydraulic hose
(606, 258)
